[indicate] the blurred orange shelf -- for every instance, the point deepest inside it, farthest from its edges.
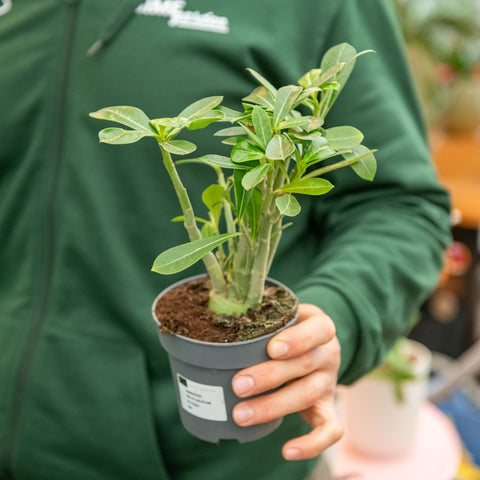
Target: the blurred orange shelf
(457, 159)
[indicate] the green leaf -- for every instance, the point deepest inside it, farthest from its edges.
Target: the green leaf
(366, 167)
(330, 74)
(310, 77)
(174, 122)
(315, 123)
(343, 138)
(308, 186)
(263, 81)
(179, 147)
(232, 140)
(305, 95)
(341, 53)
(253, 177)
(206, 119)
(119, 136)
(244, 151)
(284, 103)
(248, 109)
(261, 96)
(242, 196)
(309, 103)
(177, 259)
(197, 109)
(229, 115)
(212, 197)
(318, 149)
(181, 218)
(280, 147)
(208, 230)
(131, 117)
(262, 125)
(254, 211)
(294, 122)
(288, 205)
(252, 135)
(304, 137)
(230, 132)
(215, 161)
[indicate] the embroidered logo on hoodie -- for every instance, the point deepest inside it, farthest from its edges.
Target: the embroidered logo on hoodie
(5, 6)
(181, 18)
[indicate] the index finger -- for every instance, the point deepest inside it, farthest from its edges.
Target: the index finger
(314, 328)
(306, 310)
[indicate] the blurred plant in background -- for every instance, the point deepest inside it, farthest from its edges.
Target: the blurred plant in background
(443, 39)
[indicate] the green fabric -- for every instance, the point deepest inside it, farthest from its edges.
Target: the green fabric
(85, 389)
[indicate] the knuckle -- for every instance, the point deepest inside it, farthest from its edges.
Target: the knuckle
(317, 386)
(337, 432)
(305, 340)
(266, 410)
(336, 350)
(263, 376)
(329, 328)
(308, 309)
(263, 371)
(307, 363)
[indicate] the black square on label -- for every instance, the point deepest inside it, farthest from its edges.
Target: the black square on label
(182, 380)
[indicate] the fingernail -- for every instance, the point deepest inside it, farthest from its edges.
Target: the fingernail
(278, 349)
(242, 385)
(293, 454)
(242, 415)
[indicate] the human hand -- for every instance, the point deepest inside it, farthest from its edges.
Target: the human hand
(305, 360)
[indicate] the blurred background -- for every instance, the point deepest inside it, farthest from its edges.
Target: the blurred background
(443, 47)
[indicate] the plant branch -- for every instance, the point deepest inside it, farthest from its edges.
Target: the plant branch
(335, 166)
(211, 263)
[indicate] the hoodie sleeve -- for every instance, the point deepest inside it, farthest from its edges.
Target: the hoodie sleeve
(380, 245)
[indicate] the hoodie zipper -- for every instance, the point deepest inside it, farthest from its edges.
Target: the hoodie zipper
(113, 26)
(49, 234)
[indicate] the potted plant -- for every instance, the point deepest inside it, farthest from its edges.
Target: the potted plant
(279, 149)
(381, 410)
(444, 51)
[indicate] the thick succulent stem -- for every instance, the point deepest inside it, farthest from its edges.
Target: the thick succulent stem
(274, 240)
(262, 247)
(241, 269)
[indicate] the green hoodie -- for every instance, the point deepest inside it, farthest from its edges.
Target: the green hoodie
(85, 389)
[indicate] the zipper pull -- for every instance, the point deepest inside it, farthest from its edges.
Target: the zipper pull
(113, 25)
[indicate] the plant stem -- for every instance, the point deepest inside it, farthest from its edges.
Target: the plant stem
(277, 218)
(227, 209)
(260, 264)
(240, 273)
(214, 270)
(335, 166)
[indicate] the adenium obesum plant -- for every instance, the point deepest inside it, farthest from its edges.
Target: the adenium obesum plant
(279, 150)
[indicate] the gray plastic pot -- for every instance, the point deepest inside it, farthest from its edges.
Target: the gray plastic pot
(202, 373)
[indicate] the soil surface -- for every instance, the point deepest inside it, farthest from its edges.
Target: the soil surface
(184, 310)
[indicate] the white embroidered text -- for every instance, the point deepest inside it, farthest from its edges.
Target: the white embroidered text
(180, 18)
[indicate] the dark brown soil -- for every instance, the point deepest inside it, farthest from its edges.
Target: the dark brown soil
(184, 310)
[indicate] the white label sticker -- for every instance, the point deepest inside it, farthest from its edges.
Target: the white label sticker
(204, 401)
